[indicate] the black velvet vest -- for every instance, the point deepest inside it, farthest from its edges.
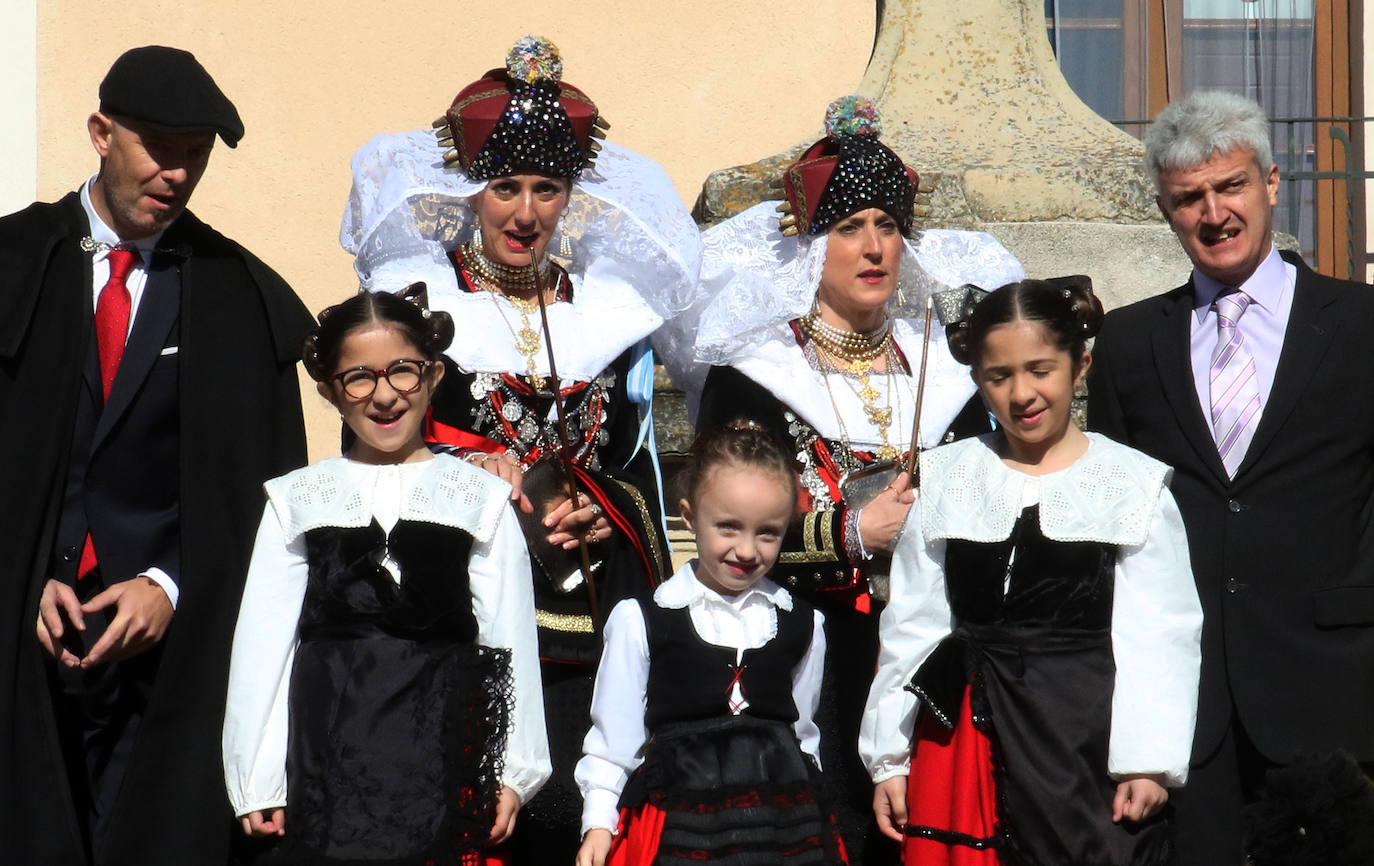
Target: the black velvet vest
(1066, 585)
(690, 679)
(349, 592)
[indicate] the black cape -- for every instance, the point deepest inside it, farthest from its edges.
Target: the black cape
(241, 329)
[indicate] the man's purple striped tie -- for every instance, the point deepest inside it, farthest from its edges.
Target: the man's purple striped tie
(1235, 389)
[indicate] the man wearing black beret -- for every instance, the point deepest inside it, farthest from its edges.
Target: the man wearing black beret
(147, 389)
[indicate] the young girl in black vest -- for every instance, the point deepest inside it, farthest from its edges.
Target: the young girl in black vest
(702, 745)
(1037, 685)
(384, 687)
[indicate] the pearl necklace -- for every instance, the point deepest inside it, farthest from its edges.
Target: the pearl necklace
(853, 347)
(497, 276)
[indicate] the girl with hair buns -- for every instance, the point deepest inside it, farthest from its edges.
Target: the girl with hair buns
(1037, 685)
(384, 684)
(814, 327)
(703, 748)
(514, 168)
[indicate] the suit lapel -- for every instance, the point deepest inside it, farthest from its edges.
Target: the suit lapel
(157, 313)
(1173, 361)
(1311, 321)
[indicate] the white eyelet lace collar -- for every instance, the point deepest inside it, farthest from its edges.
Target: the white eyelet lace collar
(339, 492)
(1108, 495)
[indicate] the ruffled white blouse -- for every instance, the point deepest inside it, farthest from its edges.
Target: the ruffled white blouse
(1111, 494)
(612, 749)
(340, 492)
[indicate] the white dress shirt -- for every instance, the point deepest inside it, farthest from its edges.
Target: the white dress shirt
(612, 749)
(265, 640)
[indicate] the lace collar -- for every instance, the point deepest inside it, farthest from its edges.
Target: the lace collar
(1108, 495)
(338, 492)
(683, 588)
(606, 317)
(779, 364)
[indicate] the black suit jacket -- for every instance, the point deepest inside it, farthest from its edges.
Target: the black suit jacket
(239, 331)
(1283, 555)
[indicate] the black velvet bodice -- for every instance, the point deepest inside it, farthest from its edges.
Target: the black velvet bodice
(1066, 585)
(691, 679)
(350, 592)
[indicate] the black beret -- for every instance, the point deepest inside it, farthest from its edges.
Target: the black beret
(168, 89)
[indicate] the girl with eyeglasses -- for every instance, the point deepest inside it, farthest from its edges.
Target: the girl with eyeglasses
(384, 684)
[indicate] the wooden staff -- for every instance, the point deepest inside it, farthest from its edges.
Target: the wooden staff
(920, 394)
(565, 458)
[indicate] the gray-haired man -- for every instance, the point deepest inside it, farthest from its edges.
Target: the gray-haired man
(1253, 382)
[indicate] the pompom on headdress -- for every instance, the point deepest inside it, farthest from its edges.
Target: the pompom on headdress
(522, 119)
(845, 172)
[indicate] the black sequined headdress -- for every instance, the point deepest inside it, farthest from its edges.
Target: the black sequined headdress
(521, 119)
(845, 172)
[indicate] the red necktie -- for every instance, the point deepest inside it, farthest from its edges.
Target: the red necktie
(111, 331)
(112, 316)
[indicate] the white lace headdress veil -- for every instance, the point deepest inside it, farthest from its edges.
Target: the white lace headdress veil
(761, 270)
(755, 281)
(625, 223)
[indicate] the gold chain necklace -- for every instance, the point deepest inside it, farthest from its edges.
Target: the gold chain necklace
(880, 417)
(498, 276)
(527, 340)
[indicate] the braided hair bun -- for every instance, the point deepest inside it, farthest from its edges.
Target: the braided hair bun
(431, 331)
(1065, 306)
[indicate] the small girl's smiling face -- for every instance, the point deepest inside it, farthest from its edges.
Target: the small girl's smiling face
(1028, 382)
(389, 423)
(739, 518)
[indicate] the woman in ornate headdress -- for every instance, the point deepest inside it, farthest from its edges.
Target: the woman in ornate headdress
(508, 170)
(814, 329)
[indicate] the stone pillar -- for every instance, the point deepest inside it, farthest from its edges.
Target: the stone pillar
(971, 97)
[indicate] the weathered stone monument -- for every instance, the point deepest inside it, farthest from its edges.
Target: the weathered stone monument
(971, 97)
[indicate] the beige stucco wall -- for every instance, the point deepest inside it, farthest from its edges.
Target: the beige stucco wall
(697, 85)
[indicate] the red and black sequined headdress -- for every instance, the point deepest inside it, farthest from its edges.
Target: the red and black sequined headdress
(845, 172)
(522, 119)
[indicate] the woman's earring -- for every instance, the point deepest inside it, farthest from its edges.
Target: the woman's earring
(901, 296)
(564, 245)
(476, 227)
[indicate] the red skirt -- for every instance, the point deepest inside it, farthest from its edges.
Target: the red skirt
(951, 798)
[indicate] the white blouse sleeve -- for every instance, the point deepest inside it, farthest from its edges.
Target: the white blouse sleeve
(255, 717)
(503, 603)
(806, 690)
(1156, 634)
(916, 619)
(611, 750)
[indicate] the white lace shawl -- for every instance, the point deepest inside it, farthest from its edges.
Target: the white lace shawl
(831, 405)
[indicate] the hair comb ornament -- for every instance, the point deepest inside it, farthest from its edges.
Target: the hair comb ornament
(954, 306)
(417, 294)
